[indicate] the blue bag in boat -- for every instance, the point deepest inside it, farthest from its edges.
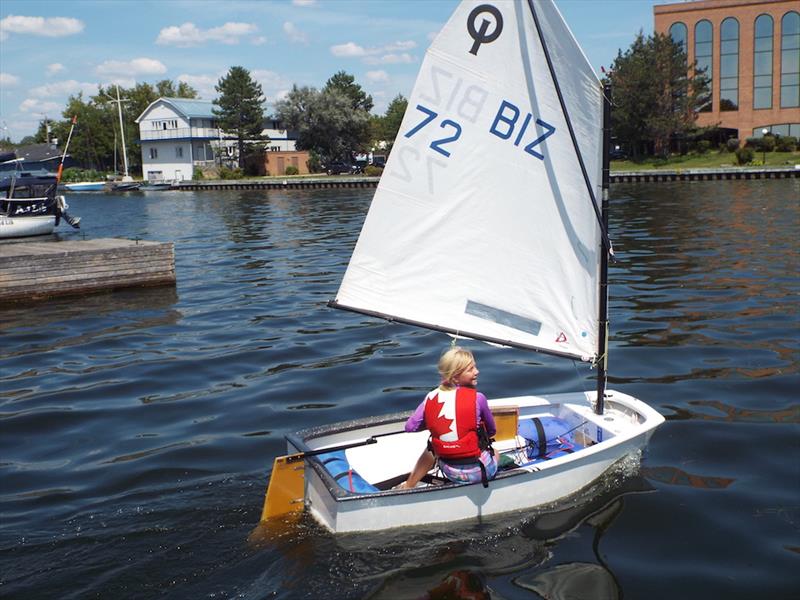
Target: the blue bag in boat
(337, 465)
(547, 437)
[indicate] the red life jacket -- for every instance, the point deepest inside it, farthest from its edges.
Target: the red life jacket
(451, 417)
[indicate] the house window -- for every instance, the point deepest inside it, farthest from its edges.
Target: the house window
(153, 153)
(790, 60)
(679, 35)
(762, 62)
(178, 151)
(729, 65)
(703, 45)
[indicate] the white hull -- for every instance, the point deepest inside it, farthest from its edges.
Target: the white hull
(12, 227)
(622, 430)
(87, 186)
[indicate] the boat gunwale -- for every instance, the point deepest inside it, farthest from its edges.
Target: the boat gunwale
(648, 422)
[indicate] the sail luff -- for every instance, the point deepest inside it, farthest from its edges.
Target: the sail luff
(545, 50)
(602, 338)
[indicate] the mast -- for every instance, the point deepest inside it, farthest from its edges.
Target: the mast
(602, 337)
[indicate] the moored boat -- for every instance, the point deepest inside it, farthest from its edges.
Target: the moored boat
(29, 205)
(86, 186)
(489, 223)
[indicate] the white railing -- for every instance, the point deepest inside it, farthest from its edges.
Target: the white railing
(181, 132)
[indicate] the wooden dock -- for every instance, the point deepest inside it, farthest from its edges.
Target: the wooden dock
(47, 268)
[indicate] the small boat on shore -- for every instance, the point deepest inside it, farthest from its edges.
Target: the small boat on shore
(489, 223)
(86, 186)
(29, 205)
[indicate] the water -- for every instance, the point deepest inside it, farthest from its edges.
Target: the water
(137, 428)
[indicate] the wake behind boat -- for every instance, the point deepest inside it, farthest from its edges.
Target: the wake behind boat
(490, 223)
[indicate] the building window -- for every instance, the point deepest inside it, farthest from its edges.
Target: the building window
(790, 60)
(729, 65)
(679, 35)
(178, 151)
(762, 62)
(703, 45)
(153, 153)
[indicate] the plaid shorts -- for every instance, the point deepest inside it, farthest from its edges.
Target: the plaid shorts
(470, 472)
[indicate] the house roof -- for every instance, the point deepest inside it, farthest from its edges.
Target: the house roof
(188, 107)
(38, 153)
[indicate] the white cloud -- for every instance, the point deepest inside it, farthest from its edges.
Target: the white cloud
(304, 2)
(61, 89)
(386, 55)
(8, 80)
(54, 68)
(377, 76)
(189, 34)
(259, 40)
(204, 84)
(34, 105)
(44, 26)
(127, 68)
(390, 59)
(294, 34)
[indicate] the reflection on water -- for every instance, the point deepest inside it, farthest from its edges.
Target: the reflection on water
(137, 427)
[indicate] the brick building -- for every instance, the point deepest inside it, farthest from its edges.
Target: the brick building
(751, 50)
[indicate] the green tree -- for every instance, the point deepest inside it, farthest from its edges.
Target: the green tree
(346, 84)
(325, 121)
(393, 118)
(654, 97)
(240, 110)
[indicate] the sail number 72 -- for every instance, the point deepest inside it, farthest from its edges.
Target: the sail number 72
(437, 145)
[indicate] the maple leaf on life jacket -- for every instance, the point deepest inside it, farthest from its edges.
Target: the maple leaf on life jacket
(441, 423)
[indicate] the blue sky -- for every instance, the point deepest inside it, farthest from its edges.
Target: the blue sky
(50, 50)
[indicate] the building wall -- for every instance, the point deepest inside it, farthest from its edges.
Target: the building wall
(745, 119)
(275, 162)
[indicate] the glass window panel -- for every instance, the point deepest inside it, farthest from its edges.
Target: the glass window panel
(702, 31)
(728, 100)
(790, 23)
(790, 42)
(790, 96)
(729, 29)
(762, 63)
(703, 49)
(762, 98)
(728, 65)
(763, 44)
(780, 129)
(791, 79)
(730, 47)
(728, 83)
(762, 81)
(678, 33)
(790, 61)
(794, 129)
(764, 26)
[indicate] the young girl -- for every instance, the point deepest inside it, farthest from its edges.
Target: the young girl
(452, 412)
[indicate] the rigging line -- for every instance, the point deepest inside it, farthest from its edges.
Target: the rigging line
(606, 240)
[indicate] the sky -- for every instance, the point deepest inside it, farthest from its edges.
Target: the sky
(50, 50)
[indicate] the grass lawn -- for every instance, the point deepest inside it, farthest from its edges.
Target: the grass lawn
(710, 160)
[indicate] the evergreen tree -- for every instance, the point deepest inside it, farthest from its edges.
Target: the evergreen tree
(346, 84)
(393, 118)
(240, 109)
(654, 97)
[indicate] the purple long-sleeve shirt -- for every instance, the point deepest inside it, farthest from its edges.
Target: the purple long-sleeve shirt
(416, 421)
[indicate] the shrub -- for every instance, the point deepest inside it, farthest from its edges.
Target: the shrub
(291, 170)
(752, 142)
(703, 146)
(372, 171)
(732, 145)
(744, 155)
(786, 143)
(767, 143)
(197, 173)
(75, 175)
(226, 173)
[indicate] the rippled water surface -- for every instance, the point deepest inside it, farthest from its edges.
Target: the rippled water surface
(137, 428)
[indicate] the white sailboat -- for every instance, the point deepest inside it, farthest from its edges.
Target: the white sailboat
(488, 223)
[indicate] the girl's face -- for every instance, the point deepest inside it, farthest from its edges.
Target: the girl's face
(468, 377)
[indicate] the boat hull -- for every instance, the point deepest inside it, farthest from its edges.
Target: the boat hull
(13, 227)
(90, 186)
(624, 429)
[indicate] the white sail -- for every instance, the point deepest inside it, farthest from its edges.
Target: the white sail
(483, 224)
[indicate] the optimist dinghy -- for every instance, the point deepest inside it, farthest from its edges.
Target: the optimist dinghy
(501, 164)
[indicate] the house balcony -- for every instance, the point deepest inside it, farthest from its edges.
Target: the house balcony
(181, 133)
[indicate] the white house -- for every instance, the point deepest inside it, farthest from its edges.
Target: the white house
(178, 134)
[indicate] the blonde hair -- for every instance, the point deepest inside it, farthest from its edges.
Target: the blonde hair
(452, 363)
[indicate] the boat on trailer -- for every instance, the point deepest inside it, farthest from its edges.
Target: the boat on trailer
(489, 223)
